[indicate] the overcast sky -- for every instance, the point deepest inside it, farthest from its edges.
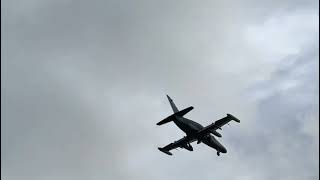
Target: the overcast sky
(84, 82)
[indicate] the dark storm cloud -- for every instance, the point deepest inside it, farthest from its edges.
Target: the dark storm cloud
(84, 84)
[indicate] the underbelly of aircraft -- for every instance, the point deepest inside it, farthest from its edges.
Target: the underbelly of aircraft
(186, 127)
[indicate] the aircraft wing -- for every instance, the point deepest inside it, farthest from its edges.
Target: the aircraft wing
(182, 143)
(217, 125)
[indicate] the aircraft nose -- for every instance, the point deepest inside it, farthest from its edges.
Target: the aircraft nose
(223, 150)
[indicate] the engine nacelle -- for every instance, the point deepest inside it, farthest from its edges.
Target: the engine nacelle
(216, 134)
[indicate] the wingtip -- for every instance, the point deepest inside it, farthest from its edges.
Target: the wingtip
(234, 118)
(166, 152)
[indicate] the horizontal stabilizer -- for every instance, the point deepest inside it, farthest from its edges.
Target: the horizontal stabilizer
(173, 116)
(183, 112)
(164, 151)
(233, 118)
(166, 120)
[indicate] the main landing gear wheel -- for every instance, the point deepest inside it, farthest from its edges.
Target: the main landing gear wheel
(218, 153)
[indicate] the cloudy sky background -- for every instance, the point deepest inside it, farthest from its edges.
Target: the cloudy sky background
(84, 82)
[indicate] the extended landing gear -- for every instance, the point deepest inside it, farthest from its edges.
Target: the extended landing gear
(187, 146)
(218, 153)
(190, 148)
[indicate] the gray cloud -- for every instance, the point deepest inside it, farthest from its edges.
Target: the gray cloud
(83, 84)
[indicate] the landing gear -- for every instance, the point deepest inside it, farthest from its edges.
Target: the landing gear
(190, 148)
(218, 153)
(187, 146)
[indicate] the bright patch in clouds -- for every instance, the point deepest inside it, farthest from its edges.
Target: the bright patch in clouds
(284, 35)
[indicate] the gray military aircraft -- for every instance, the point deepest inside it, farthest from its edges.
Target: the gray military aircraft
(194, 131)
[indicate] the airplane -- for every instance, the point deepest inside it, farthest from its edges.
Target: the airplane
(194, 131)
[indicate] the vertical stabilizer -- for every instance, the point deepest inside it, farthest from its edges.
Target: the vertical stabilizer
(173, 106)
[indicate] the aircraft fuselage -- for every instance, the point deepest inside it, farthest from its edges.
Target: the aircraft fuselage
(191, 128)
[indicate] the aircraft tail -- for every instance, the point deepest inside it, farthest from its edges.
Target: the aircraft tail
(173, 106)
(176, 113)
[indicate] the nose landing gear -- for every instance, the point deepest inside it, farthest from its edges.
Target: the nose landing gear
(218, 153)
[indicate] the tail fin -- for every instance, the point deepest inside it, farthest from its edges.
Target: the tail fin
(173, 106)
